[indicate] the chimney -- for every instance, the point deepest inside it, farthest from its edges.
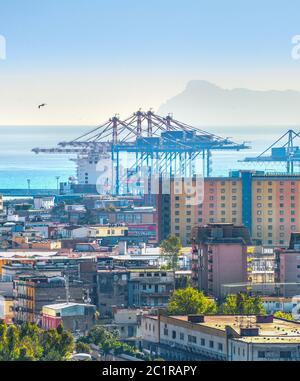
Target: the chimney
(264, 319)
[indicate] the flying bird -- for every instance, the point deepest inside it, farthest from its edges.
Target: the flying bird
(42, 105)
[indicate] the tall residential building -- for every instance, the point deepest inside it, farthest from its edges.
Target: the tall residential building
(288, 267)
(267, 204)
(219, 257)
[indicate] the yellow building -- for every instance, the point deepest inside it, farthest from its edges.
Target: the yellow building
(267, 204)
(222, 203)
(107, 231)
(275, 208)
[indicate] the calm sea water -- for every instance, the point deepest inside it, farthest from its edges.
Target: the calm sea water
(18, 163)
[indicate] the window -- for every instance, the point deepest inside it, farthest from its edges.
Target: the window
(261, 354)
(173, 334)
(211, 344)
(181, 336)
(192, 339)
(285, 354)
(202, 342)
(220, 346)
(166, 332)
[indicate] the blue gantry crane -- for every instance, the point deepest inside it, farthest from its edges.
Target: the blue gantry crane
(163, 145)
(284, 151)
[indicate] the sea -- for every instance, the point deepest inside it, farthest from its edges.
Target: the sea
(18, 163)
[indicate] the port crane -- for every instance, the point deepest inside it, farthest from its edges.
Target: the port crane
(163, 145)
(287, 153)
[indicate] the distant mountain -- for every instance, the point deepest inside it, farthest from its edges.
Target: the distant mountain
(203, 103)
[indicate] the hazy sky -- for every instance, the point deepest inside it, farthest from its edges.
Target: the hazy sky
(90, 59)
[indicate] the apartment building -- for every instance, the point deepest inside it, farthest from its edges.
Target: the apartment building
(134, 288)
(221, 337)
(288, 267)
(31, 293)
(219, 256)
(267, 204)
(150, 287)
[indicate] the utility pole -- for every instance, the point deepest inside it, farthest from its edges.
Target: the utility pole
(28, 185)
(67, 288)
(57, 183)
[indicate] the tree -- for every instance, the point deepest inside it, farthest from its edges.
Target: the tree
(190, 301)
(170, 249)
(57, 344)
(106, 341)
(3, 341)
(29, 343)
(242, 304)
(82, 347)
(13, 342)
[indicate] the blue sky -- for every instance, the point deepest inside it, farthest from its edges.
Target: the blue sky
(182, 33)
(143, 42)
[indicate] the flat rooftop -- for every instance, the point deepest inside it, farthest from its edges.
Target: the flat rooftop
(279, 331)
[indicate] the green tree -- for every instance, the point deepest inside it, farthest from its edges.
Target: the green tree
(13, 342)
(242, 304)
(30, 341)
(190, 301)
(3, 341)
(82, 347)
(170, 250)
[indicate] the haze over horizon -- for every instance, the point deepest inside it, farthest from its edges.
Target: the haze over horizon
(66, 54)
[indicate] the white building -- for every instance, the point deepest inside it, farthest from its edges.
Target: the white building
(231, 338)
(43, 202)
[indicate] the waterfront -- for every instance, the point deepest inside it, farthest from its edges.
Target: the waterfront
(18, 163)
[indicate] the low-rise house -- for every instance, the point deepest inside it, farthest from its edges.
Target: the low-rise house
(221, 337)
(75, 317)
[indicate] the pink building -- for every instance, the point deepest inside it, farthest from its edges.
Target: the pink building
(219, 257)
(288, 267)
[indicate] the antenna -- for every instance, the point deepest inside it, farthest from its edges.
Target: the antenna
(67, 288)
